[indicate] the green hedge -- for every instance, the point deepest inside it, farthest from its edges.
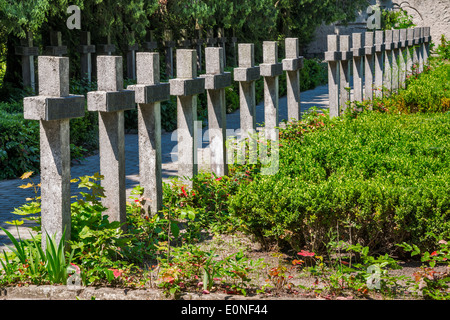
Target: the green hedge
(379, 179)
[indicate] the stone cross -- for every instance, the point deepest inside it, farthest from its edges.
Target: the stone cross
(27, 52)
(110, 101)
(292, 65)
(86, 49)
(379, 50)
(388, 67)
(198, 42)
(246, 74)
(426, 47)
(56, 48)
(402, 57)
(344, 71)
(184, 42)
(395, 59)
(233, 45)
(417, 53)
(216, 80)
(106, 49)
(54, 107)
(358, 66)
(332, 56)
(149, 92)
(131, 58)
(210, 40)
(369, 51)
(186, 87)
(168, 45)
(151, 44)
(221, 39)
(410, 50)
(270, 70)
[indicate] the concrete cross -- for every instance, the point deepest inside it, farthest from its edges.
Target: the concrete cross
(332, 57)
(169, 44)
(110, 101)
(233, 45)
(131, 57)
(210, 40)
(86, 49)
(358, 66)
(388, 60)
(28, 52)
(344, 71)
(54, 107)
(184, 42)
(246, 74)
(221, 39)
(151, 44)
(410, 50)
(216, 80)
(403, 57)
(106, 49)
(56, 48)
(186, 87)
(149, 92)
(426, 41)
(292, 65)
(396, 59)
(369, 51)
(417, 52)
(379, 51)
(270, 70)
(198, 43)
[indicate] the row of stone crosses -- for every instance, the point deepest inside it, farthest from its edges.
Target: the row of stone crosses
(55, 106)
(86, 50)
(380, 62)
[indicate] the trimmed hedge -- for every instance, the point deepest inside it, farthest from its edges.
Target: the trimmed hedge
(379, 180)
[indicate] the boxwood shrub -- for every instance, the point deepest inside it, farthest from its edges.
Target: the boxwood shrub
(377, 180)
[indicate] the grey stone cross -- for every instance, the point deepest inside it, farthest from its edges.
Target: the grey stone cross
(369, 51)
(186, 87)
(388, 60)
(379, 51)
(110, 101)
(56, 47)
(292, 65)
(426, 42)
(332, 57)
(246, 74)
(184, 42)
(106, 49)
(198, 43)
(151, 44)
(395, 59)
(358, 66)
(221, 39)
(149, 92)
(270, 70)
(216, 80)
(54, 107)
(169, 44)
(28, 52)
(131, 58)
(86, 49)
(403, 57)
(210, 40)
(344, 71)
(410, 50)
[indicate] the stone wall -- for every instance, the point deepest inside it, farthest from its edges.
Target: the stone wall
(433, 13)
